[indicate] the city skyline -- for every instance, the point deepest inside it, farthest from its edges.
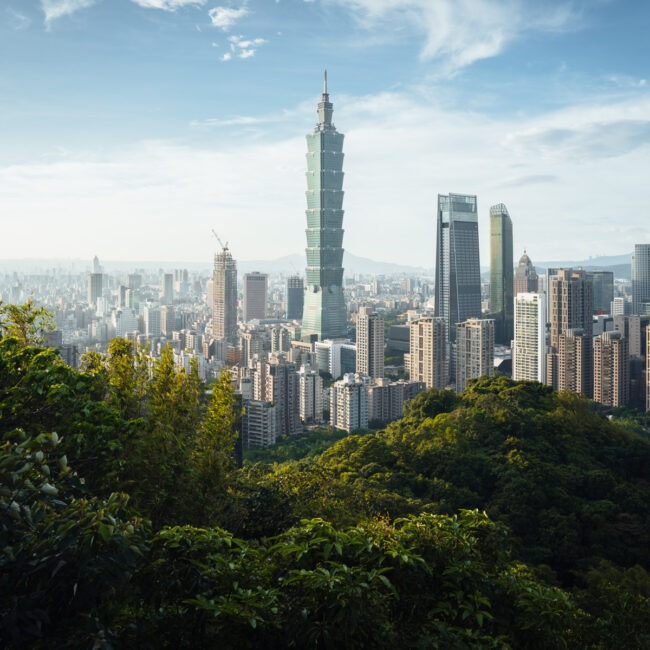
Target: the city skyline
(124, 119)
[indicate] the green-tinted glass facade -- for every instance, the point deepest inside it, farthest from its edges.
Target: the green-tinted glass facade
(324, 311)
(501, 273)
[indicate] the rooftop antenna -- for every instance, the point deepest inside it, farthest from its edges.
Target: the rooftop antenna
(325, 82)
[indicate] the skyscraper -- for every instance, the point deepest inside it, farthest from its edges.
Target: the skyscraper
(295, 297)
(640, 278)
(255, 290)
(525, 279)
(95, 288)
(324, 312)
(458, 274)
(603, 290)
(474, 350)
(529, 343)
(501, 273)
(224, 296)
(370, 344)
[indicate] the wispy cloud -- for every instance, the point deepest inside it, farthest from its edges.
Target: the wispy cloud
(54, 9)
(17, 20)
(226, 17)
(460, 32)
(168, 5)
(242, 48)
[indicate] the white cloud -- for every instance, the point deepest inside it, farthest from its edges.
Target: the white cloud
(244, 48)
(226, 57)
(225, 17)
(54, 9)
(168, 5)
(459, 32)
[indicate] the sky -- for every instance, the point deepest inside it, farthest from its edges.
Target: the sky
(130, 129)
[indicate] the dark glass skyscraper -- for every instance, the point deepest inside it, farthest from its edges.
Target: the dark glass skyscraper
(458, 274)
(501, 273)
(295, 297)
(324, 312)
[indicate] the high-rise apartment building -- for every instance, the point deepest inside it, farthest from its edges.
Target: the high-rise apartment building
(386, 398)
(458, 273)
(529, 343)
(224, 296)
(474, 350)
(310, 386)
(571, 298)
(295, 297)
(525, 278)
(641, 279)
(255, 293)
(324, 313)
(167, 289)
(501, 273)
(611, 369)
(370, 343)
(349, 403)
(427, 360)
(574, 362)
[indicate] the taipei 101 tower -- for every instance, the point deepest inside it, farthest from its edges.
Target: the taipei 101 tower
(324, 311)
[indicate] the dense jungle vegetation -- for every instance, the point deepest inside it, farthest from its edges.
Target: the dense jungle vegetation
(510, 516)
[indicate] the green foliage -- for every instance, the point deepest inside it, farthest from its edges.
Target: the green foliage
(27, 323)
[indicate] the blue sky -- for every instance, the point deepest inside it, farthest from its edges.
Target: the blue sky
(131, 128)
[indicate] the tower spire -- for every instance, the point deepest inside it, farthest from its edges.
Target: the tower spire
(325, 81)
(325, 107)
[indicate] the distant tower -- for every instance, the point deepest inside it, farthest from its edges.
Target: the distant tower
(427, 358)
(529, 343)
(295, 297)
(474, 350)
(370, 344)
(458, 273)
(324, 312)
(97, 267)
(640, 278)
(224, 295)
(501, 276)
(603, 291)
(311, 395)
(95, 288)
(255, 290)
(167, 289)
(525, 280)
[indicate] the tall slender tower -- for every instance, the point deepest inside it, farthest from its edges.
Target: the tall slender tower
(458, 274)
(640, 278)
(224, 292)
(501, 274)
(370, 343)
(324, 312)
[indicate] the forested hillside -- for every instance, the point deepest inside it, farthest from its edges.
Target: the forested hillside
(508, 516)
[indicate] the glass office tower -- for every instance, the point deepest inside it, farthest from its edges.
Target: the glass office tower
(324, 313)
(458, 274)
(501, 273)
(641, 279)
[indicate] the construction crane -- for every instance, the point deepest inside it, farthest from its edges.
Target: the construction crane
(223, 246)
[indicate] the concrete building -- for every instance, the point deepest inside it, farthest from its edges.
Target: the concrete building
(255, 295)
(95, 289)
(152, 320)
(427, 359)
(611, 369)
(575, 362)
(458, 273)
(386, 398)
(259, 424)
(335, 357)
(349, 403)
(167, 289)
(370, 343)
(529, 343)
(224, 294)
(501, 274)
(310, 387)
(324, 313)
(525, 277)
(474, 350)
